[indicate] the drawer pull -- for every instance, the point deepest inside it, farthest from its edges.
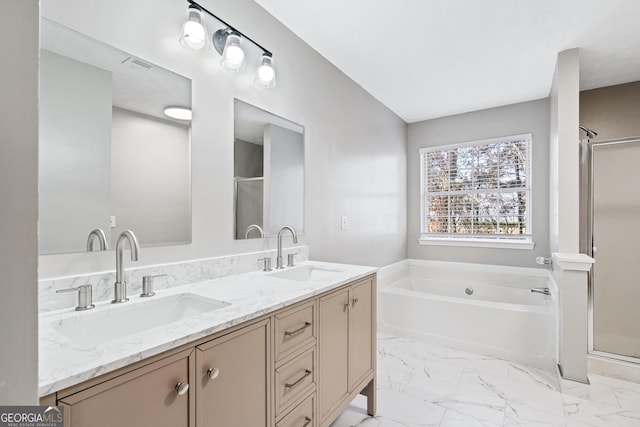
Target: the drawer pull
(292, 385)
(307, 420)
(297, 331)
(182, 388)
(213, 373)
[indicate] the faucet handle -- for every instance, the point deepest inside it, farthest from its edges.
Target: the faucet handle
(147, 285)
(267, 263)
(85, 296)
(290, 259)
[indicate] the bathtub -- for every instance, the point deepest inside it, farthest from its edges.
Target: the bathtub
(480, 308)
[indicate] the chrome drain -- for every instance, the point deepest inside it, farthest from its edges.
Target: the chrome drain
(469, 291)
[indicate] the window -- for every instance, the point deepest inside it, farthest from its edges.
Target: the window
(477, 193)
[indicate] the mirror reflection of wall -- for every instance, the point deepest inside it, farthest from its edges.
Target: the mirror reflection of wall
(249, 188)
(268, 173)
(109, 157)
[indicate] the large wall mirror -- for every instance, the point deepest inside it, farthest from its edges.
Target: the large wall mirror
(268, 173)
(110, 158)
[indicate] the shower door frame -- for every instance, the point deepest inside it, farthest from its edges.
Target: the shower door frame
(586, 191)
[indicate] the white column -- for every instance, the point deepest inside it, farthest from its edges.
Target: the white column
(564, 191)
(571, 273)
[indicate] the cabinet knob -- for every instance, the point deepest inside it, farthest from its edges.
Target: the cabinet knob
(182, 388)
(355, 301)
(347, 306)
(213, 373)
(307, 421)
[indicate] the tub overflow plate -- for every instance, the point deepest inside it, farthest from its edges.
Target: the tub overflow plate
(469, 291)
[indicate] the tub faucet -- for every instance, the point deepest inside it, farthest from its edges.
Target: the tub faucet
(99, 235)
(120, 286)
(544, 291)
(279, 263)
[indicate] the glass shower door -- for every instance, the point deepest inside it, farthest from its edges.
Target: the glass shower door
(616, 242)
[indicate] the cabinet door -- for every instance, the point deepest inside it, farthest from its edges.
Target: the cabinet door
(333, 351)
(361, 348)
(232, 379)
(145, 397)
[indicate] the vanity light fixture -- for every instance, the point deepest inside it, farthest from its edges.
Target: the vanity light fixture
(180, 113)
(232, 54)
(228, 43)
(266, 74)
(194, 33)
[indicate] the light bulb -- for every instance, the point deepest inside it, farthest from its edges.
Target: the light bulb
(194, 34)
(233, 55)
(266, 74)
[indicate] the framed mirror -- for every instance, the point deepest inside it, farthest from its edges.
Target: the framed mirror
(268, 173)
(110, 158)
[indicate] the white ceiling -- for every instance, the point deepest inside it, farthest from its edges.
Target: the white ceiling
(249, 123)
(432, 58)
(137, 85)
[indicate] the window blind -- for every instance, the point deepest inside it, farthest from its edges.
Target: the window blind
(477, 190)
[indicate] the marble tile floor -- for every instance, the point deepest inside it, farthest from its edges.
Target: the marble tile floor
(421, 384)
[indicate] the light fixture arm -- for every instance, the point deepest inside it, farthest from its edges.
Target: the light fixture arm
(231, 27)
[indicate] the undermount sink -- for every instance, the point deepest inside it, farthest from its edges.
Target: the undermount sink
(305, 273)
(90, 329)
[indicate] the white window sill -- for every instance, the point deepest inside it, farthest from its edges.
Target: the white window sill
(478, 243)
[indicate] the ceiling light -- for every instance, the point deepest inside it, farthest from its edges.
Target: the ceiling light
(194, 33)
(180, 113)
(266, 74)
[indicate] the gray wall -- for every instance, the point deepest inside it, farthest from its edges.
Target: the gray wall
(248, 159)
(613, 112)
(528, 117)
(150, 178)
(75, 152)
(355, 148)
(19, 32)
(249, 208)
(284, 179)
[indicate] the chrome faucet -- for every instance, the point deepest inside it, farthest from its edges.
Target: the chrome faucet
(99, 235)
(120, 286)
(253, 227)
(279, 263)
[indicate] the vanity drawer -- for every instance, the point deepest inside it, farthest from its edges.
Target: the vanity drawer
(294, 379)
(295, 328)
(303, 415)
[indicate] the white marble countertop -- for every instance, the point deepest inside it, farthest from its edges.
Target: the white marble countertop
(63, 362)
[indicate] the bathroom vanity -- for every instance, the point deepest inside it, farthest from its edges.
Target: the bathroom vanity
(290, 348)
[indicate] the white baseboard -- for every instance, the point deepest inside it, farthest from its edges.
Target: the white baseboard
(613, 368)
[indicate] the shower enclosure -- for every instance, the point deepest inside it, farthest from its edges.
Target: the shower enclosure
(610, 206)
